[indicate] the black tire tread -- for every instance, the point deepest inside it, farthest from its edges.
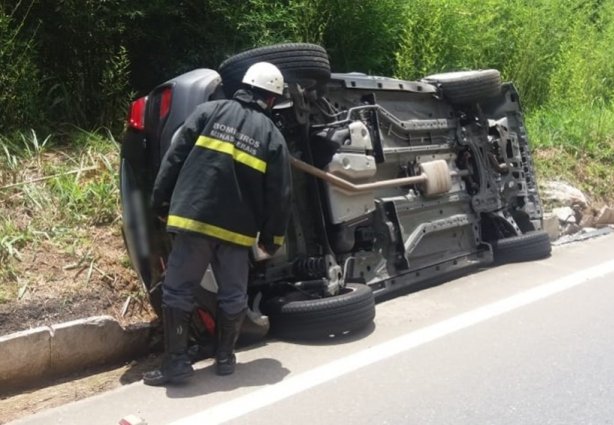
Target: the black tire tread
(527, 247)
(320, 318)
(276, 51)
(468, 87)
(299, 62)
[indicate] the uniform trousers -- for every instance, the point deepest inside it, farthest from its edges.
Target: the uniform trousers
(187, 263)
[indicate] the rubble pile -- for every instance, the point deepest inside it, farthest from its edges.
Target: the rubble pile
(571, 212)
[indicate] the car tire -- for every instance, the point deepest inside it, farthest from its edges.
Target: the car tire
(353, 309)
(303, 63)
(527, 247)
(466, 87)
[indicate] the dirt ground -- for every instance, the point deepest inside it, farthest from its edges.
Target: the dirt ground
(63, 286)
(60, 288)
(73, 388)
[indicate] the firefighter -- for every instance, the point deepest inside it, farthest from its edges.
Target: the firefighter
(223, 185)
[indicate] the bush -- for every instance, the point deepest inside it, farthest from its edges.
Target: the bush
(584, 73)
(361, 36)
(79, 61)
(520, 38)
(19, 76)
(451, 35)
(82, 62)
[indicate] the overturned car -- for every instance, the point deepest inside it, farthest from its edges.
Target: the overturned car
(397, 184)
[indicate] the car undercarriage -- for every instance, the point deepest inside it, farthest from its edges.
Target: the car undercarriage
(396, 184)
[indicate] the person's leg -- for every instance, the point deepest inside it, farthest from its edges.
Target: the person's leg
(230, 266)
(186, 266)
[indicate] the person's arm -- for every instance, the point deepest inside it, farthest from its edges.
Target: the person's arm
(174, 158)
(277, 193)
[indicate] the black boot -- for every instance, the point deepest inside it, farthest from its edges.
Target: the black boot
(176, 365)
(228, 328)
(198, 352)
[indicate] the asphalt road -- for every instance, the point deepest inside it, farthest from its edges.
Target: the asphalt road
(527, 343)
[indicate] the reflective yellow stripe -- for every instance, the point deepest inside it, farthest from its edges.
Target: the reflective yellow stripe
(210, 230)
(228, 148)
(249, 160)
(216, 145)
(278, 240)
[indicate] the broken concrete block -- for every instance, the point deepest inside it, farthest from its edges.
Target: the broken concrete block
(570, 229)
(551, 226)
(565, 214)
(588, 219)
(605, 217)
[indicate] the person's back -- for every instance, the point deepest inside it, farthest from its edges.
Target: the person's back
(223, 185)
(227, 179)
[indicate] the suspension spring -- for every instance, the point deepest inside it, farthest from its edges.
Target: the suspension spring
(310, 267)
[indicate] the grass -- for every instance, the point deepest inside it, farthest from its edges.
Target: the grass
(52, 191)
(12, 241)
(575, 144)
(76, 181)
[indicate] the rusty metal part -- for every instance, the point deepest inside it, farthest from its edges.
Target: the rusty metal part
(350, 187)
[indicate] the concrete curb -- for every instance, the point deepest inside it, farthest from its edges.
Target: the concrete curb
(53, 351)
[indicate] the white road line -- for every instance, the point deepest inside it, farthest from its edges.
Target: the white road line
(258, 399)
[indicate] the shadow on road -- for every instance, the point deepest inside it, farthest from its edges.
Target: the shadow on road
(254, 373)
(258, 372)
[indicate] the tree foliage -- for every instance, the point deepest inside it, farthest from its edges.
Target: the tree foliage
(79, 62)
(19, 76)
(553, 50)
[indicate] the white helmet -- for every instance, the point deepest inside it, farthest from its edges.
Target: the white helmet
(265, 76)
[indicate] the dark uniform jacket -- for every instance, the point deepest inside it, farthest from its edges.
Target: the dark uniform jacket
(229, 175)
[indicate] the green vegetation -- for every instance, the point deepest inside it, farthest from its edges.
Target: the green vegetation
(557, 53)
(51, 196)
(80, 61)
(19, 77)
(67, 64)
(575, 143)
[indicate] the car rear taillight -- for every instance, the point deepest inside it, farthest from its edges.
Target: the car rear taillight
(165, 102)
(136, 118)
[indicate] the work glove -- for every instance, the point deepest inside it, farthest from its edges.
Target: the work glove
(266, 244)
